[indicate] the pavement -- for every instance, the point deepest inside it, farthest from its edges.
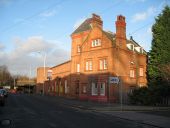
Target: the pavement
(152, 120)
(137, 114)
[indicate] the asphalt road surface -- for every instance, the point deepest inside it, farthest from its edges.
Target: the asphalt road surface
(29, 111)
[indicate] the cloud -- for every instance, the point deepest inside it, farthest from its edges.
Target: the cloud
(25, 54)
(143, 15)
(134, 1)
(32, 44)
(2, 47)
(78, 22)
(144, 38)
(5, 2)
(49, 13)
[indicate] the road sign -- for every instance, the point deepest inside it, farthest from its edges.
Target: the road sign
(49, 74)
(113, 80)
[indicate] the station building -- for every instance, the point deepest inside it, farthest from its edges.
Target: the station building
(98, 57)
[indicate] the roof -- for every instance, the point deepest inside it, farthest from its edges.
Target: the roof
(110, 35)
(132, 41)
(61, 64)
(83, 27)
(86, 25)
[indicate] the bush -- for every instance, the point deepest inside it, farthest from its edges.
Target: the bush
(152, 95)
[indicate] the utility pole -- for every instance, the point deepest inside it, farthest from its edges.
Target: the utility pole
(30, 80)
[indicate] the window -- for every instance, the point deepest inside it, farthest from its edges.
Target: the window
(140, 71)
(132, 73)
(89, 65)
(94, 89)
(78, 67)
(96, 43)
(132, 47)
(52, 88)
(78, 49)
(84, 89)
(102, 89)
(103, 64)
(141, 50)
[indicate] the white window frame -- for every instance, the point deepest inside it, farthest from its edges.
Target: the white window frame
(89, 65)
(78, 67)
(141, 73)
(102, 89)
(100, 64)
(132, 47)
(94, 89)
(103, 64)
(141, 50)
(84, 89)
(132, 73)
(96, 42)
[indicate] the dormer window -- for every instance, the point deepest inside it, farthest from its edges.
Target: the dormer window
(130, 46)
(139, 49)
(96, 43)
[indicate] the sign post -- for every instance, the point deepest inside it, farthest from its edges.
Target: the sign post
(120, 86)
(113, 80)
(49, 77)
(117, 80)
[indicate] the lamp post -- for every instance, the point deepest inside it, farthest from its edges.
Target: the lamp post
(44, 59)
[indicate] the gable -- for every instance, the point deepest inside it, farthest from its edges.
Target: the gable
(83, 27)
(107, 39)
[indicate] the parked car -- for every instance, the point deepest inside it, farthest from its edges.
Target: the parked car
(2, 98)
(5, 92)
(12, 91)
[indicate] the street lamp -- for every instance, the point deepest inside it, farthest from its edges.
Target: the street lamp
(44, 67)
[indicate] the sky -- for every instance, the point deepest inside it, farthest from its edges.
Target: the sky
(32, 31)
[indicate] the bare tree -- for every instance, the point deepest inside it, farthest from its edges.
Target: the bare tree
(5, 76)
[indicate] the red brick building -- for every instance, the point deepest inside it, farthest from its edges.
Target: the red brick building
(96, 56)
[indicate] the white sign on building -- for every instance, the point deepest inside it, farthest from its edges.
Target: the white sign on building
(113, 80)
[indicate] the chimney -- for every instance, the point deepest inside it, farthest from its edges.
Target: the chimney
(96, 21)
(121, 32)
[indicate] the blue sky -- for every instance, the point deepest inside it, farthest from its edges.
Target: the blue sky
(29, 26)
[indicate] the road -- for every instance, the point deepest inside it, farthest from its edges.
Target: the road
(30, 111)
